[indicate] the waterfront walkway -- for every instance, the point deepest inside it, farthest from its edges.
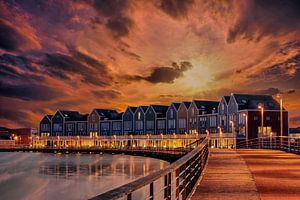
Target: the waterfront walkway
(250, 174)
(226, 177)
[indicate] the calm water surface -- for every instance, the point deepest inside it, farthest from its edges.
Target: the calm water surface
(68, 176)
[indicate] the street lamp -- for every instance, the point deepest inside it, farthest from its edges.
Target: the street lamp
(262, 121)
(281, 117)
(220, 135)
(233, 135)
(246, 127)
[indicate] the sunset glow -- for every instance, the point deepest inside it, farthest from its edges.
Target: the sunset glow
(80, 55)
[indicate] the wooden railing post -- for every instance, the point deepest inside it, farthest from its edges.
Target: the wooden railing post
(151, 191)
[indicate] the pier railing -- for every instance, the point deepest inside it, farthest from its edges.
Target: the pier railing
(176, 181)
(285, 143)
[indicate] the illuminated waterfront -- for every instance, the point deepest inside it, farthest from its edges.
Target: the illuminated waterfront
(71, 176)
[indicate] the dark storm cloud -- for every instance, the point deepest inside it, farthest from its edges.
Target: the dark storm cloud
(269, 91)
(291, 91)
(106, 94)
(175, 8)
(15, 115)
(288, 69)
(28, 91)
(115, 11)
(267, 17)
(10, 39)
(91, 70)
(164, 74)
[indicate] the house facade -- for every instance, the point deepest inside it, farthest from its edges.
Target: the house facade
(223, 117)
(139, 120)
(240, 115)
(128, 120)
(183, 117)
(117, 125)
(246, 116)
(57, 126)
(161, 122)
(82, 125)
(45, 126)
(150, 118)
(206, 116)
(172, 118)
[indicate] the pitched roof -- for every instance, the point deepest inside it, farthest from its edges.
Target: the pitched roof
(107, 113)
(132, 108)
(250, 101)
(49, 116)
(187, 104)
(206, 106)
(119, 116)
(176, 105)
(227, 98)
(84, 117)
(160, 110)
(144, 108)
(70, 115)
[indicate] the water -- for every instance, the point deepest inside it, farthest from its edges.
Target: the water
(68, 176)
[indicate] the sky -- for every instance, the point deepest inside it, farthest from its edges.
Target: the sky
(85, 54)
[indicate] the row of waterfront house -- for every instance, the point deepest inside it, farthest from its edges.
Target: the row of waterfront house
(240, 114)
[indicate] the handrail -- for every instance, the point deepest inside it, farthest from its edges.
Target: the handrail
(285, 143)
(188, 168)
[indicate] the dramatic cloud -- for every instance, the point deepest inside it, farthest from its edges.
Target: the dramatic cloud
(268, 17)
(29, 91)
(281, 71)
(82, 54)
(270, 91)
(106, 94)
(10, 38)
(115, 12)
(91, 70)
(165, 74)
(175, 8)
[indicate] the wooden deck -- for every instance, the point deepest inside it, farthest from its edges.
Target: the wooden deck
(227, 177)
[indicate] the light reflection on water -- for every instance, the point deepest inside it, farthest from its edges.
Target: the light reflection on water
(68, 176)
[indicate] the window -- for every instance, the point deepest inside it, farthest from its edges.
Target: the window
(93, 117)
(171, 113)
(255, 118)
(193, 111)
(268, 118)
(267, 130)
(212, 121)
(171, 123)
(182, 123)
(150, 125)
(139, 125)
(222, 107)
(57, 127)
(104, 126)
(70, 127)
(117, 126)
(45, 127)
(93, 126)
(127, 125)
(81, 127)
(161, 124)
(139, 115)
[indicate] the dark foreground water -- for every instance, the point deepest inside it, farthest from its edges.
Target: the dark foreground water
(68, 176)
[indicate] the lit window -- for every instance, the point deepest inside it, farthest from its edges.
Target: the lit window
(139, 115)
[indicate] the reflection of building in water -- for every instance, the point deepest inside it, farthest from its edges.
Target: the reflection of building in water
(114, 165)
